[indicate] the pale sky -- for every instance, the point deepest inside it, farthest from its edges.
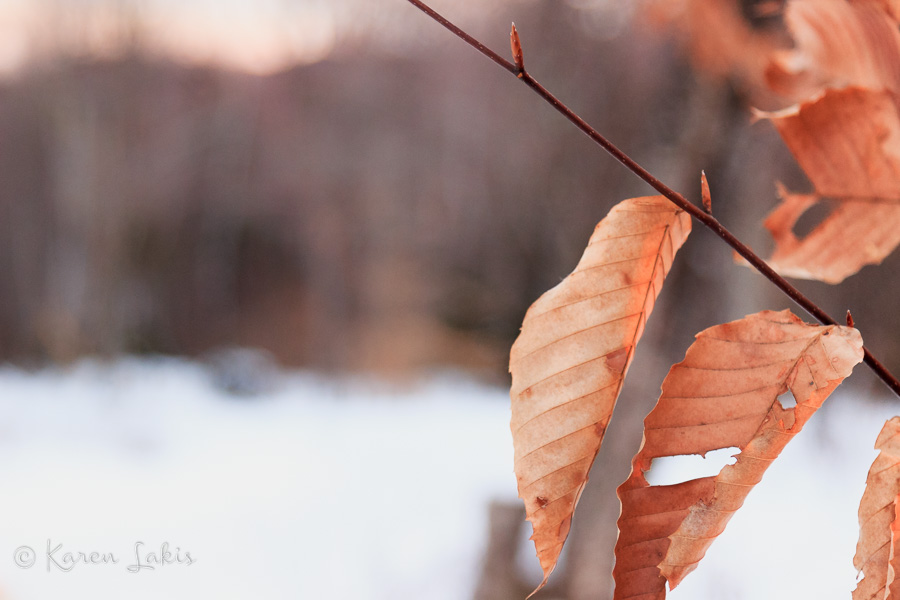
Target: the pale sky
(255, 35)
(259, 36)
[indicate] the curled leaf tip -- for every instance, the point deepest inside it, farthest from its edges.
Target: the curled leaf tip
(538, 588)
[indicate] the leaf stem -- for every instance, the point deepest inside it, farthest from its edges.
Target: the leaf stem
(705, 218)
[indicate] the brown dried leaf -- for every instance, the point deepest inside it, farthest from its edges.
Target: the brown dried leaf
(723, 394)
(837, 44)
(571, 357)
(876, 553)
(848, 143)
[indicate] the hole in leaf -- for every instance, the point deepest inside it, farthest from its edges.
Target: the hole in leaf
(669, 470)
(814, 216)
(787, 400)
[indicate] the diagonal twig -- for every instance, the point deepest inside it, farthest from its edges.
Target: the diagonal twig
(705, 218)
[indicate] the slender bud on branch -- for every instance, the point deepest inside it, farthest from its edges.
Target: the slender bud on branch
(516, 47)
(704, 193)
(850, 320)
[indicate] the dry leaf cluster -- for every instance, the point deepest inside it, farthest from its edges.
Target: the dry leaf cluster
(842, 67)
(845, 133)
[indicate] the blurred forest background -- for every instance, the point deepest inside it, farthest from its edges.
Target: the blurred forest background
(347, 187)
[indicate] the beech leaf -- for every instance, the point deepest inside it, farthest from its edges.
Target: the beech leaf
(848, 143)
(877, 551)
(837, 44)
(571, 357)
(723, 394)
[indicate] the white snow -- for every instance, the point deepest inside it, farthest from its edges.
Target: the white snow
(318, 489)
(343, 489)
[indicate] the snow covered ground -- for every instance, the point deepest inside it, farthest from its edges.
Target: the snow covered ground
(350, 489)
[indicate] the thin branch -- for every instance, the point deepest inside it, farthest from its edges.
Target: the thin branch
(706, 219)
(466, 37)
